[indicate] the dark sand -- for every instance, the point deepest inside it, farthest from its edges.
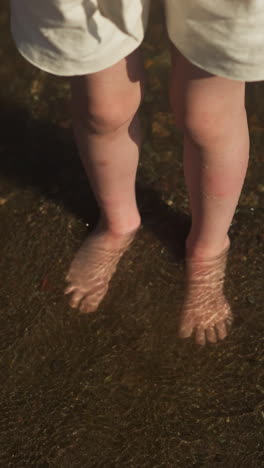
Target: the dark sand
(117, 388)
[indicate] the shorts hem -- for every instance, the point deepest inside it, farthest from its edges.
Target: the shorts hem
(212, 69)
(74, 70)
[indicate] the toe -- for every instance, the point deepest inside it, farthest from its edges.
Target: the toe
(76, 298)
(87, 305)
(211, 335)
(229, 321)
(200, 335)
(69, 289)
(185, 330)
(92, 300)
(221, 329)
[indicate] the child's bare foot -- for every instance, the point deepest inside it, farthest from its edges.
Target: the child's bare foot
(205, 309)
(93, 267)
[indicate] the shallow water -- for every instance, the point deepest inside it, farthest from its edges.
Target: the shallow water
(118, 388)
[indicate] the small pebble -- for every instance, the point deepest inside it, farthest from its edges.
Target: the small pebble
(3, 201)
(251, 299)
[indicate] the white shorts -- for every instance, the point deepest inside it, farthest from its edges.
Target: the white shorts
(76, 37)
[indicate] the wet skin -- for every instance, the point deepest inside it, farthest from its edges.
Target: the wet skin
(205, 311)
(93, 267)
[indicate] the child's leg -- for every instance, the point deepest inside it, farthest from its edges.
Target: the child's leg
(210, 110)
(107, 131)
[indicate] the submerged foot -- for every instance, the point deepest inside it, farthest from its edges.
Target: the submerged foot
(206, 311)
(93, 267)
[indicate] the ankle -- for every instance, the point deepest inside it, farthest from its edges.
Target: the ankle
(200, 251)
(119, 229)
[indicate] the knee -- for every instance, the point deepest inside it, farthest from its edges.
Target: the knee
(102, 116)
(200, 125)
(206, 126)
(204, 122)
